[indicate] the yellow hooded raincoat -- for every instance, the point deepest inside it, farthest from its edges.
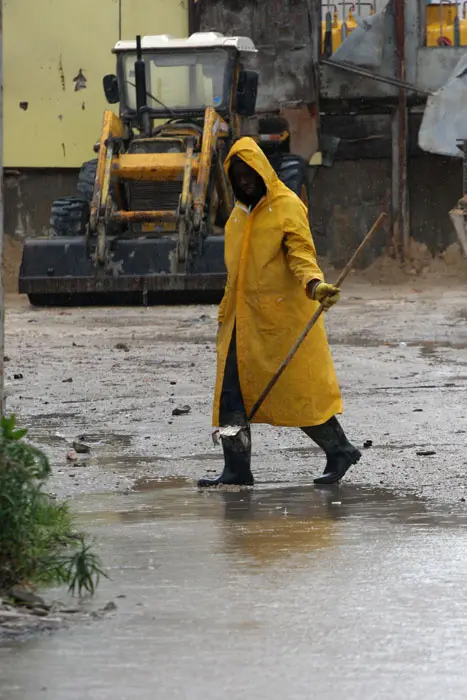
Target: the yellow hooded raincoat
(270, 259)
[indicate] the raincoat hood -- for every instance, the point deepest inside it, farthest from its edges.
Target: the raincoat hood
(249, 151)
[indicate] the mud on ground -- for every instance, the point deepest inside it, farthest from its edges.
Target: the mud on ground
(420, 264)
(112, 377)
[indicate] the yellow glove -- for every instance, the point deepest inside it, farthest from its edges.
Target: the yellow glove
(325, 294)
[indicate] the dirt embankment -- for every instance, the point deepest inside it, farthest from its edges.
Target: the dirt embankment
(420, 263)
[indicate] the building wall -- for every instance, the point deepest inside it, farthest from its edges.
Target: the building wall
(55, 54)
(347, 198)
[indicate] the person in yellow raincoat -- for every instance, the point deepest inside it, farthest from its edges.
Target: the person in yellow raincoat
(273, 288)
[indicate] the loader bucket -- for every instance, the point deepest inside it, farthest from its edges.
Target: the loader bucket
(61, 271)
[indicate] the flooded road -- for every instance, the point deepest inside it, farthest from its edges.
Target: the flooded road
(281, 592)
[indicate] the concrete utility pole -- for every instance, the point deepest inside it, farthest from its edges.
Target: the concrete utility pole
(2, 302)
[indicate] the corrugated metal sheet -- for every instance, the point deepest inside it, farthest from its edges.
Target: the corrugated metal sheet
(55, 54)
(443, 126)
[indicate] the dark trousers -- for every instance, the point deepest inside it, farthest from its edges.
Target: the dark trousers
(237, 450)
(231, 397)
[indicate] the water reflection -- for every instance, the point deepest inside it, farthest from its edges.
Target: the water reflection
(281, 522)
(173, 497)
(276, 524)
(264, 593)
(265, 525)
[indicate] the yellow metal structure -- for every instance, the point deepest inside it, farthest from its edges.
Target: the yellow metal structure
(55, 54)
(442, 20)
(194, 170)
(214, 127)
(446, 24)
(340, 28)
(112, 127)
(154, 167)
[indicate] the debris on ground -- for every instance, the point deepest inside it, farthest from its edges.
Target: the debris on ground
(181, 411)
(122, 346)
(23, 596)
(67, 381)
(72, 456)
(81, 448)
(18, 376)
(19, 619)
(367, 444)
(425, 453)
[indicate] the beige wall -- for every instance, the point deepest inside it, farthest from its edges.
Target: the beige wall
(46, 43)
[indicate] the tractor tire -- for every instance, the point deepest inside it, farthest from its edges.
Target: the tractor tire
(86, 178)
(69, 216)
(293, 172)
(85, 190)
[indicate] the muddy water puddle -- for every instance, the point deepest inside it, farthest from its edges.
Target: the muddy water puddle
(277, 592)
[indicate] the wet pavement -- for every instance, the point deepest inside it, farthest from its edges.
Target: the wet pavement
(280, 592)
(283, 591)
(400, 355)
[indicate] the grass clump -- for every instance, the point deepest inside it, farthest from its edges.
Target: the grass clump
(38, 542)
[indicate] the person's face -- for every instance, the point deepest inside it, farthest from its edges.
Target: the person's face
(246, 182)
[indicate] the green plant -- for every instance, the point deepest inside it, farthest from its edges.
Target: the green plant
(38, 541)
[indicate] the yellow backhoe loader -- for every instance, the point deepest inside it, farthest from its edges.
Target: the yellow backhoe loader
(147, 219)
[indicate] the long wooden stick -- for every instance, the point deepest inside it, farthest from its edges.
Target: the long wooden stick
(315, 317)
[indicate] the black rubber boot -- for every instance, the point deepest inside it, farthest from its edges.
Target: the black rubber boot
(237, 458)
(340, 453)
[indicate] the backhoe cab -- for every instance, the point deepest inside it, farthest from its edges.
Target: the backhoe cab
(149, 212)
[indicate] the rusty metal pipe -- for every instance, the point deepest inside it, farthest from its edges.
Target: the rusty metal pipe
(401, 234)
(351, 68)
